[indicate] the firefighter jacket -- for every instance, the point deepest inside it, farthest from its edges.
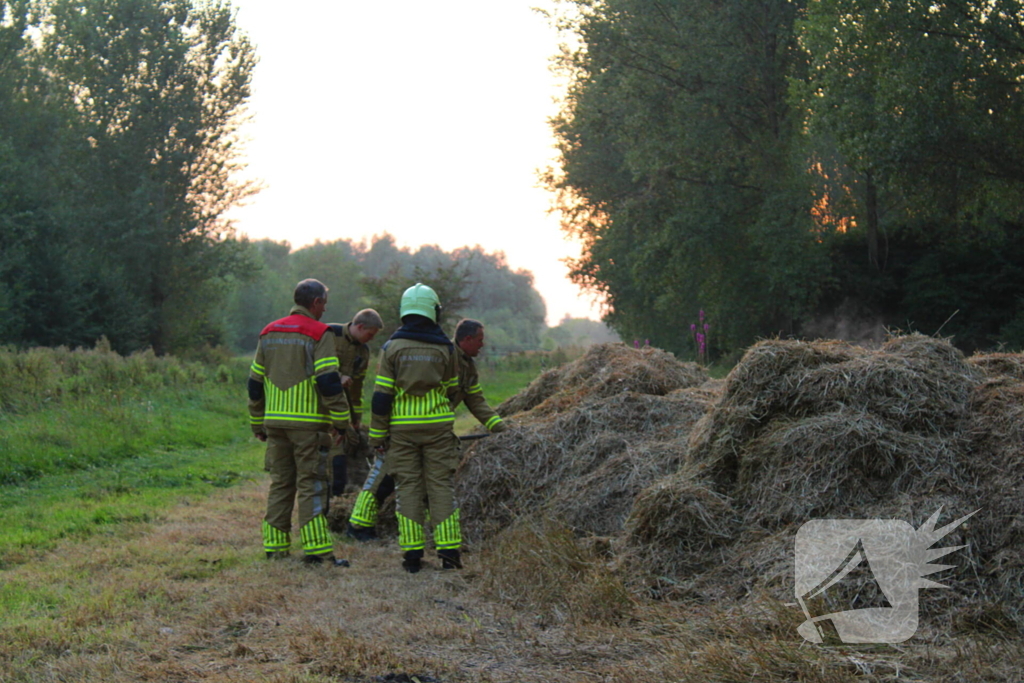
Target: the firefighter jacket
(294, 381)
(415, 382)
(469, 390)
(353, 360)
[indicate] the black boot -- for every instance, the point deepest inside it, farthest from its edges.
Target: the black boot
(450, 559)
(329, 559)
(411, 561)
(361, 533)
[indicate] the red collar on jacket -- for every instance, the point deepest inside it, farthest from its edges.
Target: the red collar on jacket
(299, 322)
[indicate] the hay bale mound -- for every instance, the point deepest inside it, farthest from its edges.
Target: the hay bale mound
(605, 370)
(999, 364)
(827, 430)
(824, 427)
(678, 524)
(587, 439)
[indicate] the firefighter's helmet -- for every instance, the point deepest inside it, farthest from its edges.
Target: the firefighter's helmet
(422, 300)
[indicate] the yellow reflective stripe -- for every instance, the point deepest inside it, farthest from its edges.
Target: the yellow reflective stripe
(493, 421)
(410, 534)
(378, 433)
(339, 417)
(364, 512)
(255, 420)
(331, 361)
(386, 382)
(274, 540)
(422, 419)
(298, 417)
(316, 538)
(258, 369)
(475, 389)
(448, 534)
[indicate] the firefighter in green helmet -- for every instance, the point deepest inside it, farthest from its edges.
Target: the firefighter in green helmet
(417, 376)
(469, 340)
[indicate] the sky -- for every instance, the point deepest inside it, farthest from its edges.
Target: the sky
(426, 121)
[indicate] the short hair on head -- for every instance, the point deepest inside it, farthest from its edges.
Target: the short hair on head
(368, 318)
(308, 291)
(467, 327)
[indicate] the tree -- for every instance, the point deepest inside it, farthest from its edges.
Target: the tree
(682, 168)
(155, 91)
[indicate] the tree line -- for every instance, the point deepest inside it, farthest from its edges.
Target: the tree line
(119, 147)
(777, 163)
(373, 274)
(118, 144)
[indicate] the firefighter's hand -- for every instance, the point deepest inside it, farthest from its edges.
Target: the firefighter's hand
(261, 436)
(337, 436)
(380, 450)
(352, 437)
(499, 427)
(346, 381)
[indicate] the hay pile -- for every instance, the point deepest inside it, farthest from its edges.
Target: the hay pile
(588, 437)
(702, 485)
(605, 370)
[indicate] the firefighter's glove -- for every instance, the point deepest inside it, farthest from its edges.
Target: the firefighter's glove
(499, 427)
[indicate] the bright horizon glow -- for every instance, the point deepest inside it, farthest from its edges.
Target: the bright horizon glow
(428, 122)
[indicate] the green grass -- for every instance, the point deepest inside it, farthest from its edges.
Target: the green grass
(98, 502)
(62, 411)
(90, 441)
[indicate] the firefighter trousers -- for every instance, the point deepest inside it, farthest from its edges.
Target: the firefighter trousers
(423, 465)
(297, 462)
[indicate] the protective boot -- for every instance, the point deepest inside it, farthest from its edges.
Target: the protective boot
(411, 561)
(361, 533)
(450, 558)
(328, 559)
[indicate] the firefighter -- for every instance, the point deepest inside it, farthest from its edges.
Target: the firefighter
(411, 411)
(469, 340)
(469, 337)
(295, 398)
(350, 343)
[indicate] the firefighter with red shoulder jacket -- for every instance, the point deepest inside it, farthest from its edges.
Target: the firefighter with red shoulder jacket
(295, 398)
(351, 346)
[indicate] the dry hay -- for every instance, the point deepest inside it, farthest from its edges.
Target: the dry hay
(605, 370)
(596, 432)
(825, 429)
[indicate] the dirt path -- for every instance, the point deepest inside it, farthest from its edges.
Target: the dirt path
(189, 598)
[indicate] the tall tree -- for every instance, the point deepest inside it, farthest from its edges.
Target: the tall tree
(682, 169)
(156, 89)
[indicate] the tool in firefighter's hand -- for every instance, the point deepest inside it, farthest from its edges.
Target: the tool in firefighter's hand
(474, 437)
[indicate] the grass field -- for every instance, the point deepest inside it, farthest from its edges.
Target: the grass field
(147, 566)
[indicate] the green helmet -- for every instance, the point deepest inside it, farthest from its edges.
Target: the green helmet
(421, 300)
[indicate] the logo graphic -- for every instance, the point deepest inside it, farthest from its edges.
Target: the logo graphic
(857, 579)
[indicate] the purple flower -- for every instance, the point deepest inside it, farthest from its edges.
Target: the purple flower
(647, 342)
(636, 343)
(693, 327)
(706, 327)
(702, 315)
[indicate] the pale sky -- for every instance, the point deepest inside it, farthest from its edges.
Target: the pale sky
(427, 121)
